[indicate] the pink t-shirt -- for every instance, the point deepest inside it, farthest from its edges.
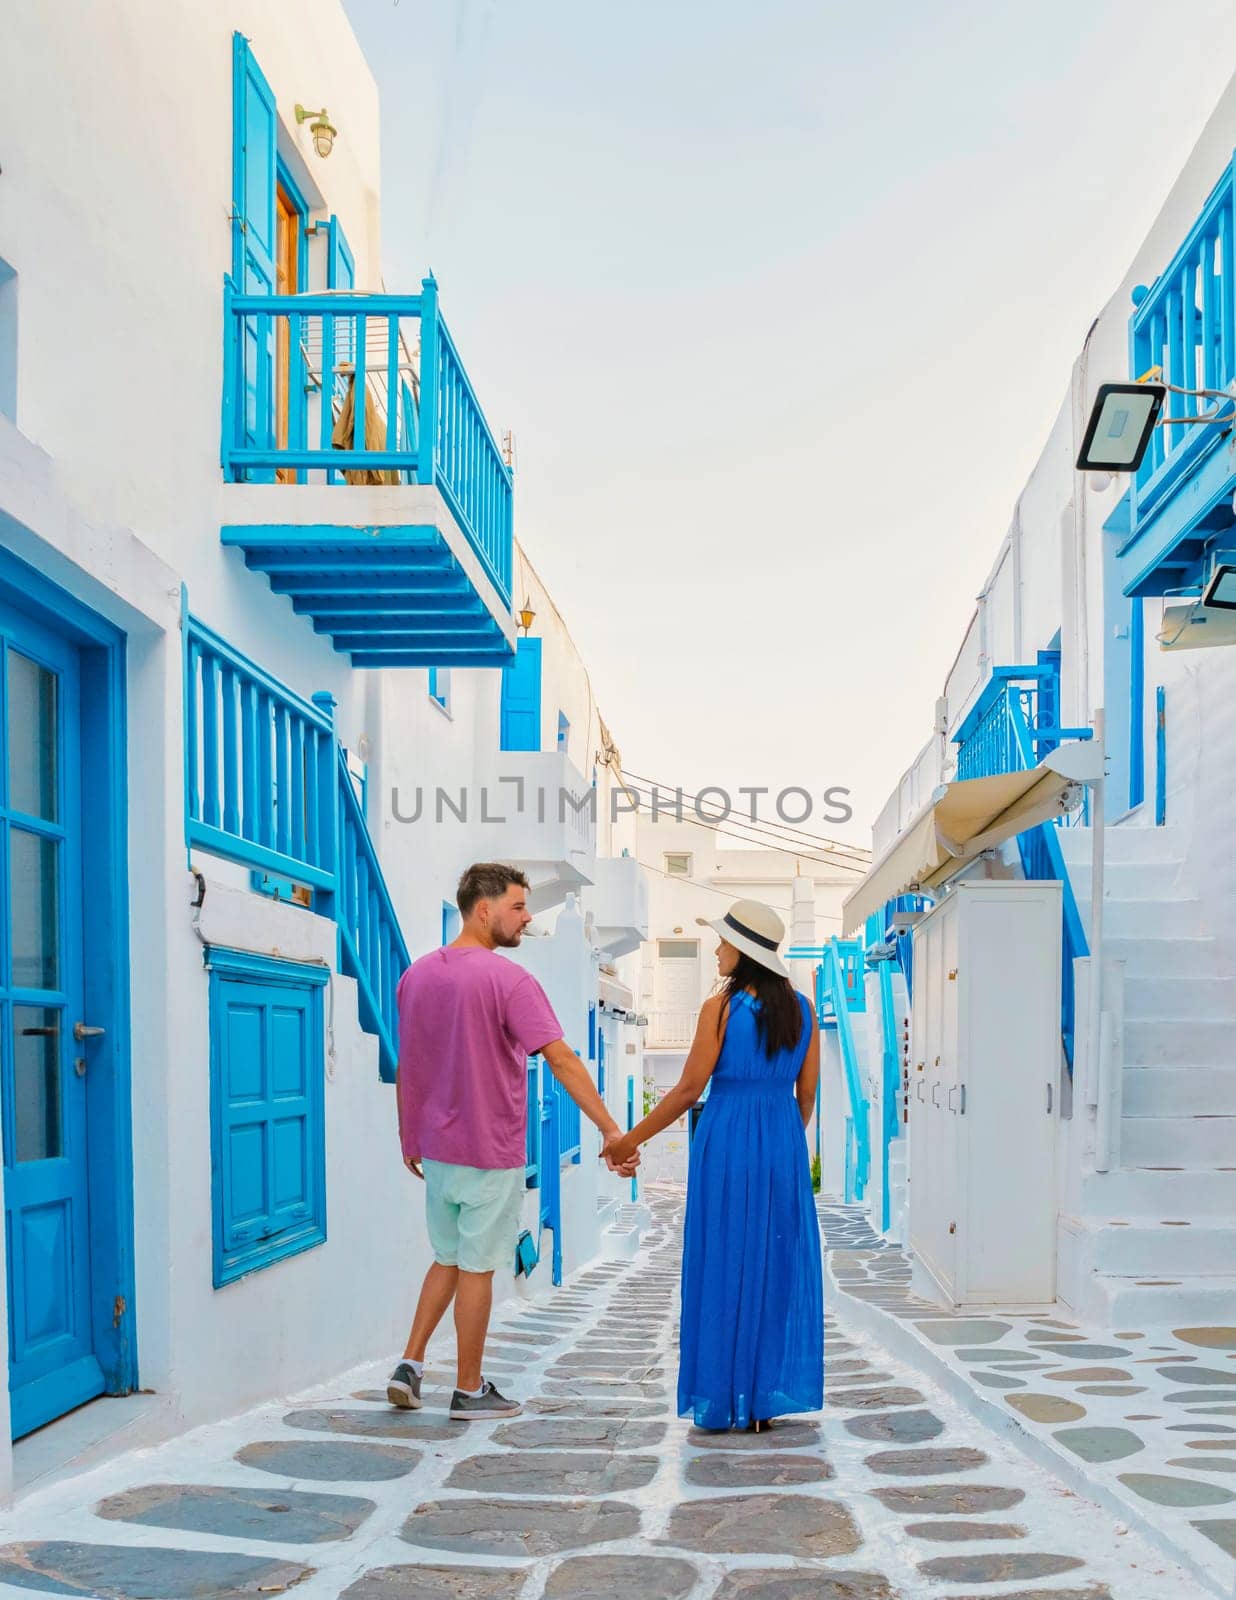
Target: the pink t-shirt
(468, 1021)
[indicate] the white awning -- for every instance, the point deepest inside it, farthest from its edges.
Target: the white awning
(969, 816)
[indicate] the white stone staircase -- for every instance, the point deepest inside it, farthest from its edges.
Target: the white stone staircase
(1157, 1234)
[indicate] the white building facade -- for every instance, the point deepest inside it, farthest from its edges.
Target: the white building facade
(1091, 627)
(244, 620)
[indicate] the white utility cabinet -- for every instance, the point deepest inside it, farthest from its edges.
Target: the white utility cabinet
(985, 1061)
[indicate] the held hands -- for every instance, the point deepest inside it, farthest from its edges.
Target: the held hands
(621, 1154)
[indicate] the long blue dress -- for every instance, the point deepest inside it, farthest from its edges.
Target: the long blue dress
(752, 1338)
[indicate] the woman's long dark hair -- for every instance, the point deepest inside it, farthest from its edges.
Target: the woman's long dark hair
(779, 1018)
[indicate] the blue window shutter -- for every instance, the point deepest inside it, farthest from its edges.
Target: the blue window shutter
(267, 1112)
(521, 698)
(340, 266)
(254, 236)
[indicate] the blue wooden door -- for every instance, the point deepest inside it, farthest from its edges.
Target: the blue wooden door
(521, 698)
(44, 1053)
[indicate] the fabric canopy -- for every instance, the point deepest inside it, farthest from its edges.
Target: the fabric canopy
(969, 816)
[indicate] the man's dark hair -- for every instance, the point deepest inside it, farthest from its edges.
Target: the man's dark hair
(486, 880)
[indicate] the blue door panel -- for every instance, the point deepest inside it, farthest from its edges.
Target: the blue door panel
(52, 1364)
(521, 698)
(254, 234)
(267, 1110)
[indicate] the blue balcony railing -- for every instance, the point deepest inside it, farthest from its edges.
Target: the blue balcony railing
(267, 785)
(294, 366)
(259, 765)
(1185, 325)
(1012, 726)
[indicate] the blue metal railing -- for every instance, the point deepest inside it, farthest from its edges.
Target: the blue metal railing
(371, 945)
(1013, 725)
(890, 1081)
(294, 366)
(259, 765)
(267, 785)
(835, 994)
(532, 1169)
(1185, 324)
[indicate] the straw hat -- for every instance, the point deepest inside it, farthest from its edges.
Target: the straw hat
(753, 928)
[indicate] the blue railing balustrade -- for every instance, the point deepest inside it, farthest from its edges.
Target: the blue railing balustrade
(267, 784)
(532, 1169)
(259, 765)
(371, 945)
(294, 366)
(835, 1000)
(1012, 726)
(1185, 325)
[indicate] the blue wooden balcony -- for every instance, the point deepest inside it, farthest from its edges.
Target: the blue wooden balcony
(1184, 325)
(367, 483)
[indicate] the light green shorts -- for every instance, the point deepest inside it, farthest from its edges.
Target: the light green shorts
(473, 1215)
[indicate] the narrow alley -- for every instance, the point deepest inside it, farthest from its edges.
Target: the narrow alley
(598, 1489)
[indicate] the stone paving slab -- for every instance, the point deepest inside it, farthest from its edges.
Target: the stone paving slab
(564, 1472)
(145, 1572)
(330, 1460)
(815, 1585)
(437, 1583)
(282, 1516)
(764, 1524)
(604, 1577)
(725, 1471)
(613, 1433)
(524, 1527)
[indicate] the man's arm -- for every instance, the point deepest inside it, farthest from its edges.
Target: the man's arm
(573, 1076)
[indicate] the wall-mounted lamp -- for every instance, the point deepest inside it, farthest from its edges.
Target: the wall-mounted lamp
(321, 129)
(527, 616)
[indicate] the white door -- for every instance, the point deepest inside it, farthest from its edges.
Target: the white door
(677, 991)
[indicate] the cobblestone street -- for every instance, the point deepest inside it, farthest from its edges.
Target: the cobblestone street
(597, 1490)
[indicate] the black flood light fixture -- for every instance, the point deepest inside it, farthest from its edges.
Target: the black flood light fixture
(1120, 426)
(1220, 591)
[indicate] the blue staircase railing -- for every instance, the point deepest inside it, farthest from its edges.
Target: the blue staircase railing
(839, 985)
(371, 944)
(267, 785)
(1012, 726)
(890, 1081)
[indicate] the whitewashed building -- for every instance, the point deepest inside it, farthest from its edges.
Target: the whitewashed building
(243, 618)
(697, 869)
(1103, 622)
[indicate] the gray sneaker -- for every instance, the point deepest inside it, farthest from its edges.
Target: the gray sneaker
(403, 1388)
(476, 1408)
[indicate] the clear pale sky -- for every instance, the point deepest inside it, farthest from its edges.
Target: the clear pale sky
(780, 300)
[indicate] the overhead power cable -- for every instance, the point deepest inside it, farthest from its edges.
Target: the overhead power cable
(788, 830)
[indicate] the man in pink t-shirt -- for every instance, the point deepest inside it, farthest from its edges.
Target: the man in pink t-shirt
(468, 1021)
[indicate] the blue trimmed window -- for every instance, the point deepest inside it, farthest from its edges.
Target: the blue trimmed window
(267, 1113)
(440, 686)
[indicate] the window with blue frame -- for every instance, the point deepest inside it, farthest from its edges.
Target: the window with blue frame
(451, 921)
(440, 686)
(267, 1112)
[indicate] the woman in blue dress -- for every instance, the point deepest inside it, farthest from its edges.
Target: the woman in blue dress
(752, 1338)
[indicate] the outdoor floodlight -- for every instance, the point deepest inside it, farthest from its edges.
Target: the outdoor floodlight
(1120, 426)
(1221, 590)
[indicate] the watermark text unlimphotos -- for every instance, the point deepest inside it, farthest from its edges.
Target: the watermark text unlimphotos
(510, 799)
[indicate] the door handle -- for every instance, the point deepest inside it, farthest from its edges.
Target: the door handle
(951, 1093)
(918, 1091)
(1049, 1099)
(935, 1090)
(83, 1030)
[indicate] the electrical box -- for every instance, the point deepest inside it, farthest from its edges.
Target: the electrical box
(984, 1073)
